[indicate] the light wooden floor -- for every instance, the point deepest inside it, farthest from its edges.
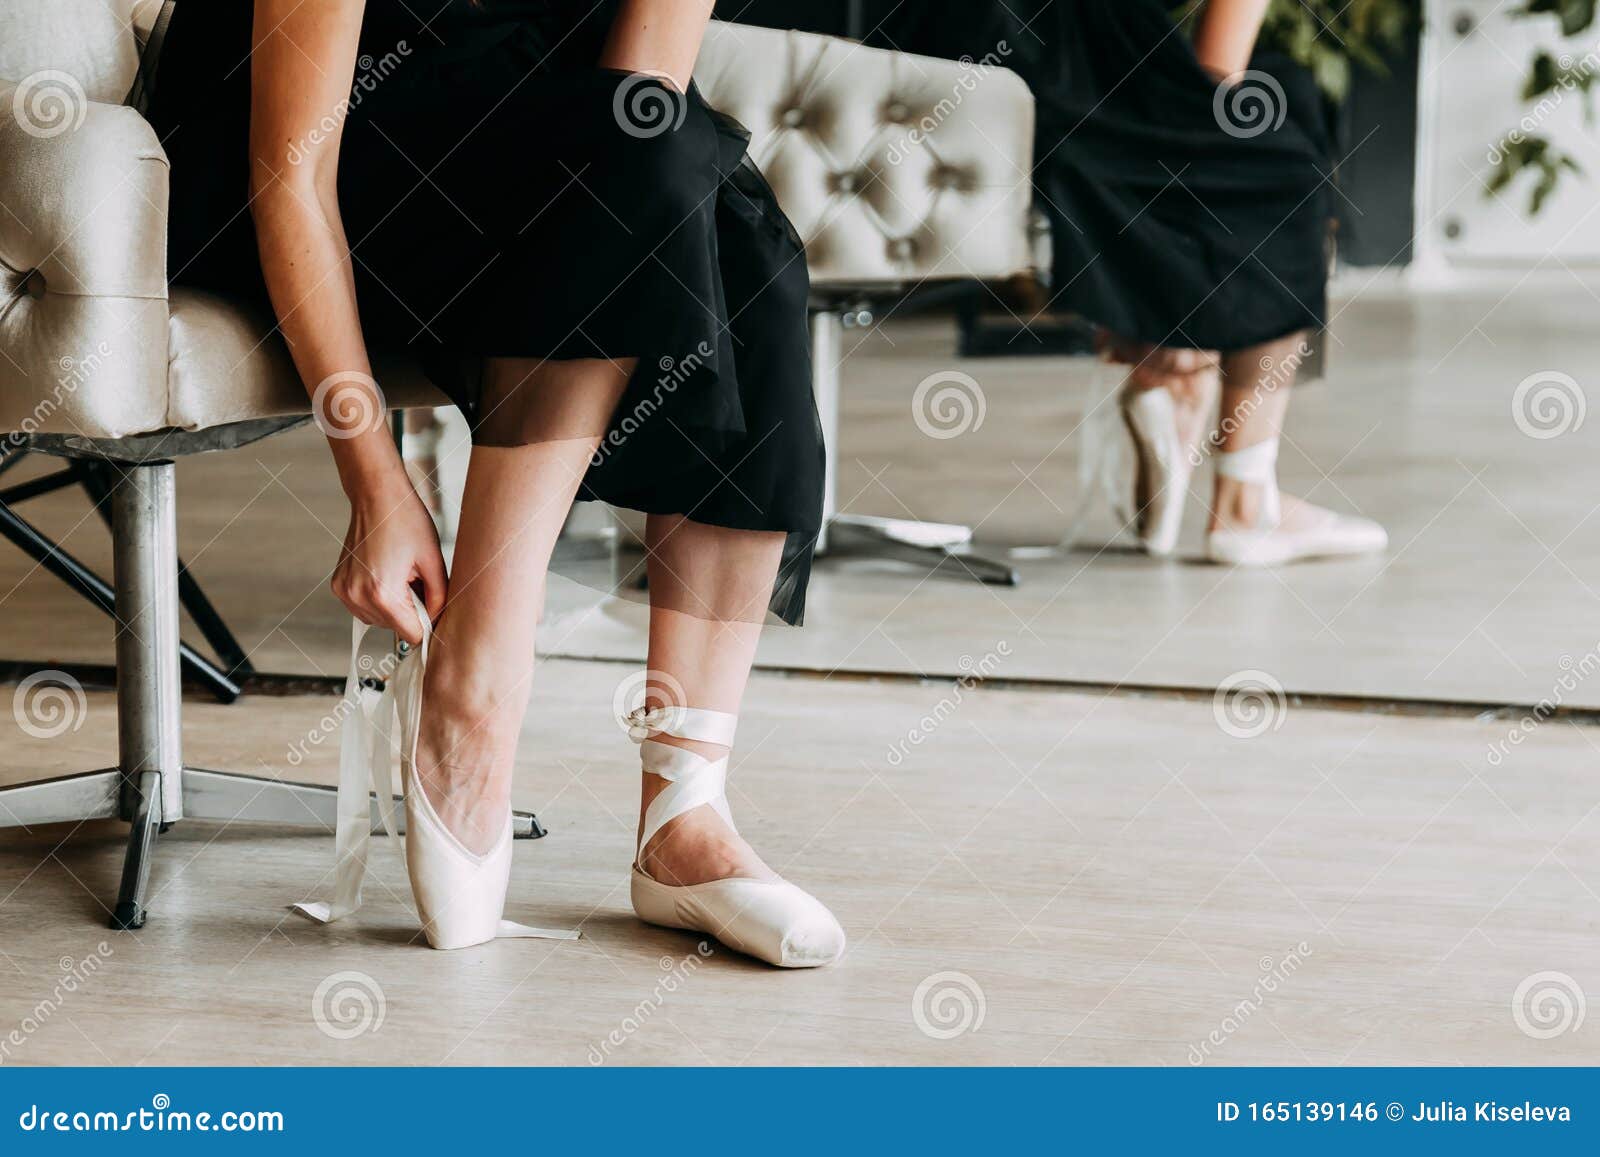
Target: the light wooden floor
(1110, 876)
(1485, 595)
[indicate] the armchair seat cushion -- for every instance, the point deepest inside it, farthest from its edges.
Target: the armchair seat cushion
(228, 364)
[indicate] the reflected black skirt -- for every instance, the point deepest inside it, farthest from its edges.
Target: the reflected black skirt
(1180, 214)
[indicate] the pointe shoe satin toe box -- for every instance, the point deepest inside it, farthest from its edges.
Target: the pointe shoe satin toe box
(1329, 536)
(1151, 418)
(460, 896)
(772, 920)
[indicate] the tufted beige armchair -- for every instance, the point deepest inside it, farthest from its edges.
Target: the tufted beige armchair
(900, 172)
(896, 170)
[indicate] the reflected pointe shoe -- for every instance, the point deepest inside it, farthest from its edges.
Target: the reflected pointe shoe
(1314, 532)
(1151, 416)
(772, 920)
(421, 452)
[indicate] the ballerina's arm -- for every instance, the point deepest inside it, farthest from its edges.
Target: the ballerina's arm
(659, 37)
(301, 69)
(1226, 35)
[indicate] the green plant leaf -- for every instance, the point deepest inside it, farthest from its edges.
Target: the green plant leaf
(1574, 15)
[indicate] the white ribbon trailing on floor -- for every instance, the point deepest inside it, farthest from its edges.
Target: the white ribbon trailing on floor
(366, 773)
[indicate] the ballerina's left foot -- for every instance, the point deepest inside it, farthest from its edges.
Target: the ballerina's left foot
(694, 871)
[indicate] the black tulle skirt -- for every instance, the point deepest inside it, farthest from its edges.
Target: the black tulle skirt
(1180, 215)
(505, 197)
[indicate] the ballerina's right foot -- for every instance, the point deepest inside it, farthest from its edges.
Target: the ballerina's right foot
(460, 871)
(1253, 525)
(464, 766)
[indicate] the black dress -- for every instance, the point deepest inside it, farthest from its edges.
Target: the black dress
(1180, 215)
(505, 197)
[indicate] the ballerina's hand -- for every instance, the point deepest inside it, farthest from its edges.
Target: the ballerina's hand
(390, 549)
(1183, 371)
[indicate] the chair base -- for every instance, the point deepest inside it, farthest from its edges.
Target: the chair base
(939, 546)
(222, 796)
(151, 787)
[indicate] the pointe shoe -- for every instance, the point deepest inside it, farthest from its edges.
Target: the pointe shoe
(1164, 468)
(460, 895)
(1319, 533)
(772, 920)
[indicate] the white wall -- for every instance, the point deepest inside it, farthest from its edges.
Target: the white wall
(1475, 59)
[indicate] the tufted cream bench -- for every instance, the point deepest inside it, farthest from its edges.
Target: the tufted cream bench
(896, 170)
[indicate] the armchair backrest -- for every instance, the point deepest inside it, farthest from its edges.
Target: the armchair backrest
(83, 287)
(894, 168)
(92, 41)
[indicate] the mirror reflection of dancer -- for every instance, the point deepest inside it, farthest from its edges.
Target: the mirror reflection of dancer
(1187, 189)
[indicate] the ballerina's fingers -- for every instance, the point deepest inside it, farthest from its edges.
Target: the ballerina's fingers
(1185, 372)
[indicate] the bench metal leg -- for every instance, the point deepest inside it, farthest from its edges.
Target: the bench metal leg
(231, 797)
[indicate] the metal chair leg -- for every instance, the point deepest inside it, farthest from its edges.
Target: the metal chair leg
(919, 543)
(97, 479)
(149, 673)
(145, 796)
(935, 545)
